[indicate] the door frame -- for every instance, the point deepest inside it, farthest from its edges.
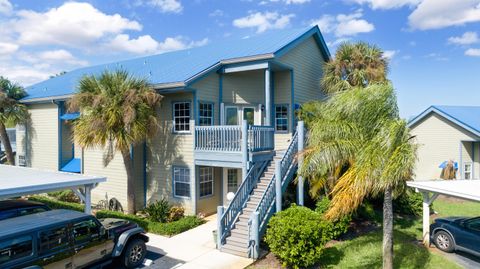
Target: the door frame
(257, 118)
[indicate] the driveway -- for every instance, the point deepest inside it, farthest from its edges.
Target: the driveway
(192, 249)
(463, 259)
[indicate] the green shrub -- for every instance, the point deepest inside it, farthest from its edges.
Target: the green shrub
(176, 213)
(366, 211)
(296, 236)
(54, 204)
(171, 228)
(410, 203)
(65, 196)
(333, 229)
(159, 210)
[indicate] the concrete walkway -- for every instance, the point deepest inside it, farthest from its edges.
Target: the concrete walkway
(192, 249)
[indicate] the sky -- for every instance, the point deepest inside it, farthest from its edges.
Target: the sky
(433, 45)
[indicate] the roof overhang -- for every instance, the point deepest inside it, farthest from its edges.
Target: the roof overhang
(465, 189)
(433, 109)
(18, 181)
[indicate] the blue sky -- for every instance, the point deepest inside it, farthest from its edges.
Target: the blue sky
(433, 45)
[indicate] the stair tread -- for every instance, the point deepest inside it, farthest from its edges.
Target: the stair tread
(234, 252)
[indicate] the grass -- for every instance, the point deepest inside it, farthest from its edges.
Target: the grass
(449, 207)
(169, 229)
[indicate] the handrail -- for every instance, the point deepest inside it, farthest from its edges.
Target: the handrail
(240, 199)
(266, 204)
(228, 138)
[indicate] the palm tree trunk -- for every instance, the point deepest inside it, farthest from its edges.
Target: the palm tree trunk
(387, 230)
(6, 144)
(127, 161)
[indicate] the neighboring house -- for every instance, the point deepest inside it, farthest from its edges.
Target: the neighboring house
(447, 133)
(196, 157)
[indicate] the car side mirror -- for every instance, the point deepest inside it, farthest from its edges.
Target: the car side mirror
(102, 230)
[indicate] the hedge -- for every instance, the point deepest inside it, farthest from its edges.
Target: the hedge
(55, 204)
(169, 228)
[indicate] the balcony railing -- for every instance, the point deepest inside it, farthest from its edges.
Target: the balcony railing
(228, 138)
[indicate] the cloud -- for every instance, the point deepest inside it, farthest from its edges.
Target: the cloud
(216, 13)
(435, 14)
(264, 21)
(389, 54)
(387, 4)
(72, 24)
(473, 52)
(8, 48)
(288, 2)
(146, 44)
(166, 6)
(25, 74)
(5, 7)
(467, 38)
(344, 24)
(60, 55)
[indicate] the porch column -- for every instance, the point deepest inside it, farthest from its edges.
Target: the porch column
(460, 162)
(220, 210)
(301, 139)
(88, 199)
(278, 185)
(244, 149)
(268, 99)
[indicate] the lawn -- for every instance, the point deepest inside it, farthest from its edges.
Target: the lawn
(366, 251)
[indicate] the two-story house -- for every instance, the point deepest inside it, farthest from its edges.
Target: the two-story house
(210, 92)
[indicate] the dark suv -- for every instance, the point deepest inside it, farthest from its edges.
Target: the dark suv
(69, 239)
(17, 208)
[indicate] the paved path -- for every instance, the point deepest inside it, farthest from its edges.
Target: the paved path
(461, 258)
(192, 249)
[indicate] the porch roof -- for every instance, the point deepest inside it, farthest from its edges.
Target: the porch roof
(465, 189)
(179, 68)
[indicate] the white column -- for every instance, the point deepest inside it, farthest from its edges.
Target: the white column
(244, 149)
(220, 210)
(88, 199)
(301, 140)
(268, 99)
(426, 220)
(278, 185)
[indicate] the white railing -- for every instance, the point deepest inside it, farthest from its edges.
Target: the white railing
(228, 138)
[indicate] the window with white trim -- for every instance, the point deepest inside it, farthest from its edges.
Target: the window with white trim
(206, 181)
(467, 171)
(181, 117)
(181, 181)
(232, 180)
(205, 114)
(281, 118)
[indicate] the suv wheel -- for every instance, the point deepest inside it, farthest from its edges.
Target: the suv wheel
(444, 241)
(134, 253)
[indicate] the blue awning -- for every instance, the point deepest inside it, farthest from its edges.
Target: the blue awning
(70, 116)
(73, 166)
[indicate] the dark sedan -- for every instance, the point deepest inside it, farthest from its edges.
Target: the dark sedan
(457, 233)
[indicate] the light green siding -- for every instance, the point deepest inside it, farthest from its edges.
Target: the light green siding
(439, 141)
(283, 95)
(306, 60)
(208, 205)
(208, 91)
(244, 87)
(42, 132)
(166, 150)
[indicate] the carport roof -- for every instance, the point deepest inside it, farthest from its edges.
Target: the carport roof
(18, 181)
(465, 189)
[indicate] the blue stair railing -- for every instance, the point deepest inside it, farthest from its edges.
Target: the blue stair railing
(226, 218)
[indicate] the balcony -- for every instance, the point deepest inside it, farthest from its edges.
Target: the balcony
(233, 145)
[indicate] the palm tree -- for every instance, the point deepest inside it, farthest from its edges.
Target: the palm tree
(355, 65)
(118, 111)
(360, 141)
(12, 112)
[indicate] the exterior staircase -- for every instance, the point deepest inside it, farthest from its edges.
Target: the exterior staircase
(238, 242)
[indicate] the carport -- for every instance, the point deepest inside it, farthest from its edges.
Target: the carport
(463, 189)
(18, 181)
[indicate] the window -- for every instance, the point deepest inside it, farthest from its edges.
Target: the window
(232, 180)
(181, 117)
(231, 115)
(206, 181)
(181, 181)
(85, 230)
(474, 224)
(15, 248)
(53, 239)
(205, 111)
(281, 118)
(467, 171)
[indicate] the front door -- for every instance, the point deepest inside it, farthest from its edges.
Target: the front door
(235, 114)
(232, 180)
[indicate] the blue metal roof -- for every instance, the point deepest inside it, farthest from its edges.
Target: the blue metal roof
(179, 66)
(73, 166)
(468, 117)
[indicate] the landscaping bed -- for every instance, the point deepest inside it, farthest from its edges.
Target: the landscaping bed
(180, 225)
